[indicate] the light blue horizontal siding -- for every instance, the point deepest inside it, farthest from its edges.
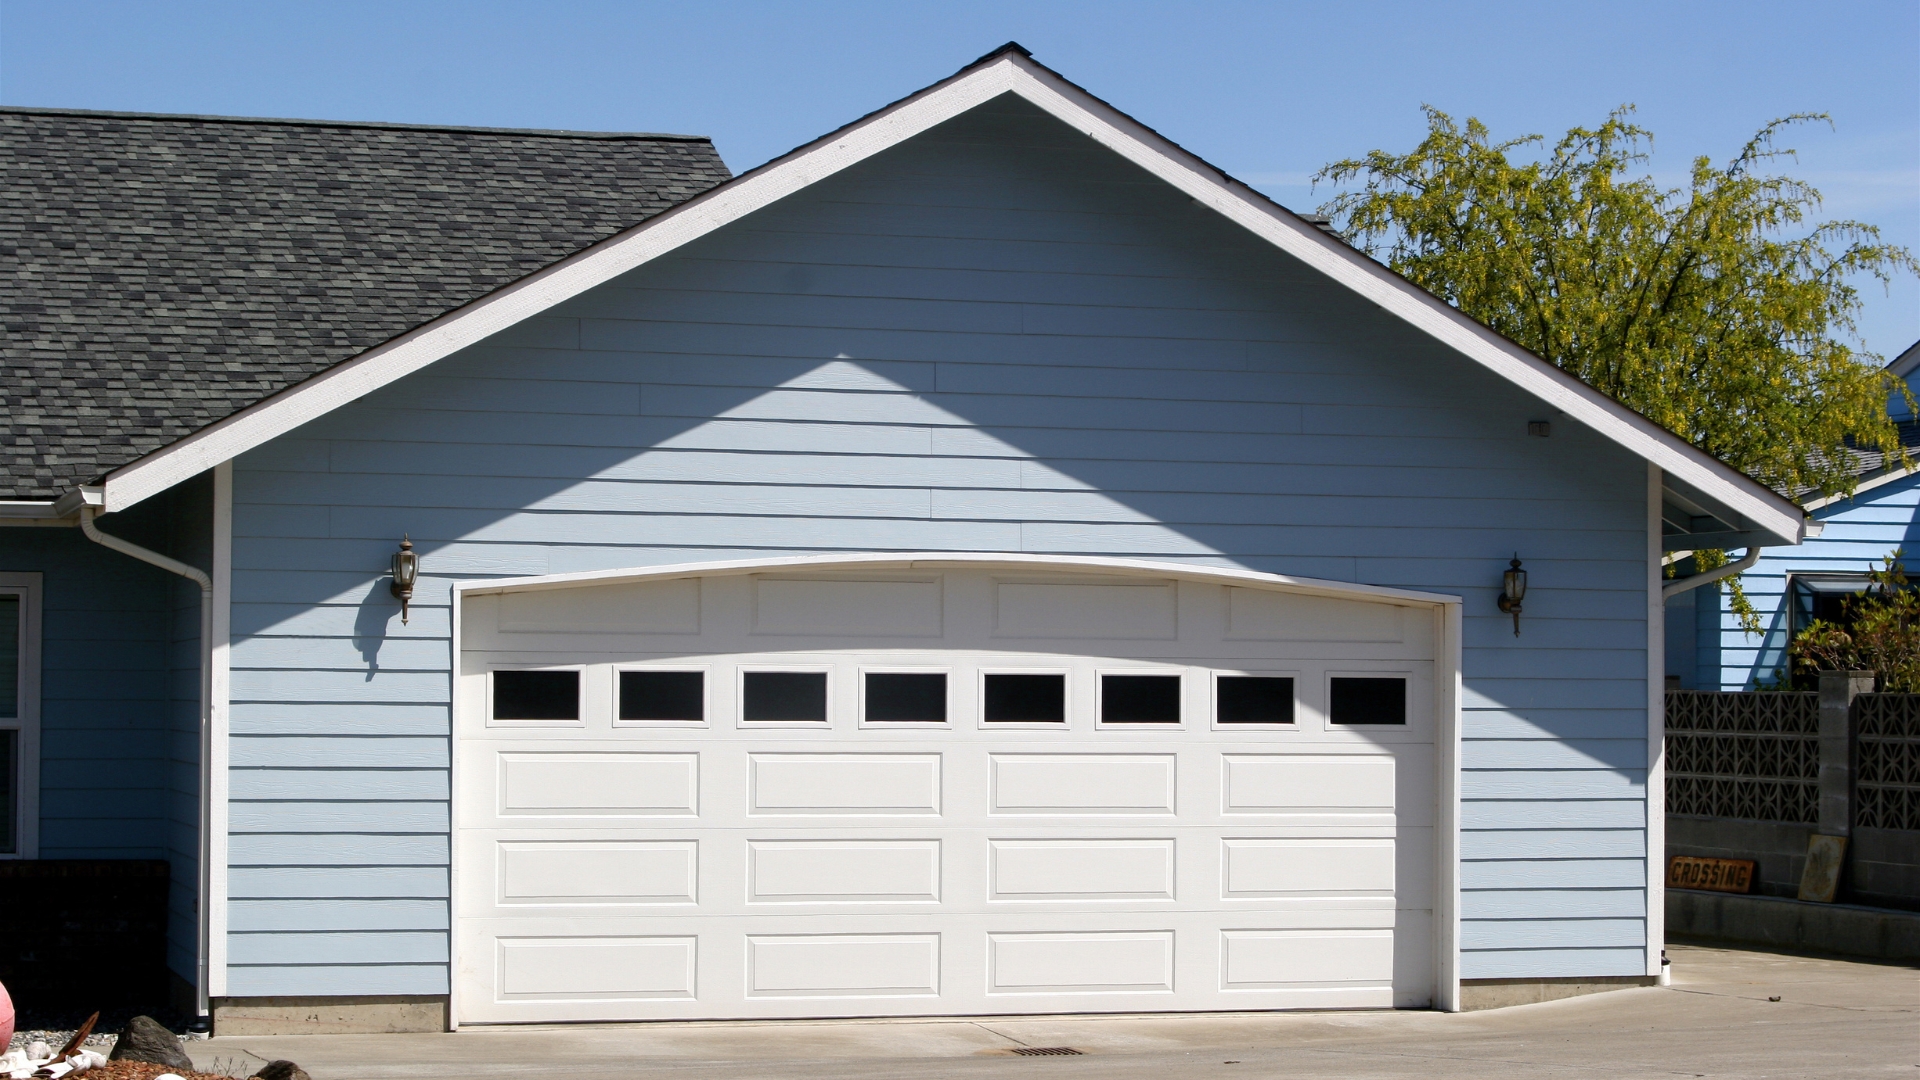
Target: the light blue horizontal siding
(386, 816)
(1857, 536)
(1553, 903)
(306, 883)
(324, 980)
(1583, 872)
(1545, 933)
(955, 346)
(336, 914)
(338, 849)
(1552, 814)
(386, 784)
(1552, 963)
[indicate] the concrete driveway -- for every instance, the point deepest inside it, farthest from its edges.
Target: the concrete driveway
(1834, 1019)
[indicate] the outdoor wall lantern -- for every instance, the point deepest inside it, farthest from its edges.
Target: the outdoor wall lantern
(1513, 589)
(406, 571)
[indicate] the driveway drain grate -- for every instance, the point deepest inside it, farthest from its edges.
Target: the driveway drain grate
(1045, 1051)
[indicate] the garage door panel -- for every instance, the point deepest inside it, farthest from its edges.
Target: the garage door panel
(1082, 783)
(1087, 869)
(796, 784)
(595, 968)
(1080, 962)
(843, 871)
(1310, 788)
(608, 783)
(1259, 868)
(843, 965)
(596, 872)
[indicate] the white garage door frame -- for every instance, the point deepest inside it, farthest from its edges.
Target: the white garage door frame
(1446, 610)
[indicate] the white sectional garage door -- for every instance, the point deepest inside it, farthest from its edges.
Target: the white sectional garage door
(940, 790)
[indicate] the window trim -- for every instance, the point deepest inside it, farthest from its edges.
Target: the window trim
(27, 586)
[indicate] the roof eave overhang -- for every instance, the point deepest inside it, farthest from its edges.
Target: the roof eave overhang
(1009, 70)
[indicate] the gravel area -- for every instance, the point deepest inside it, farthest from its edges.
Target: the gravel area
(141, 1070)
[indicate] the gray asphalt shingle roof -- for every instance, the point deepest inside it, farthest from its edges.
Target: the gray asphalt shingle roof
(164, 272)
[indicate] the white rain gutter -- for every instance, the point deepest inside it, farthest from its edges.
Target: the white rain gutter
(1675, 588)
(203, 907)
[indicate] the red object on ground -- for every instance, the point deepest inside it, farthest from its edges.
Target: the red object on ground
(6, 1017)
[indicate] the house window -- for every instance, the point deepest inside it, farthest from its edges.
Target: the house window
(1823, 597)
(19, 713)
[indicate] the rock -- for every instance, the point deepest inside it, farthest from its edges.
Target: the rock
(146, 1040)
(281, 1070)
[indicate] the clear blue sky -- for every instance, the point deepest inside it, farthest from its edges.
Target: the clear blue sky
(1267, 91)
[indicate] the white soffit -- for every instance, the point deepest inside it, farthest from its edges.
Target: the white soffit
(1009, 71)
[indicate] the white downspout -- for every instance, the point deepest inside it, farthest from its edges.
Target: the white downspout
(203, 928)
(1675, 588)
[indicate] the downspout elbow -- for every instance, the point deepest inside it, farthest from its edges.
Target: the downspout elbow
(1675, 588)
(192, 573)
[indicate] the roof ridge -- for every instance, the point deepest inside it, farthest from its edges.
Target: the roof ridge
(377, 125)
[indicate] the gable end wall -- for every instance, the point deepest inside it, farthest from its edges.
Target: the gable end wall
(995, 337)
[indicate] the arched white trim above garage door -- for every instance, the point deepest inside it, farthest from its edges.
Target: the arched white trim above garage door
(1443, 632)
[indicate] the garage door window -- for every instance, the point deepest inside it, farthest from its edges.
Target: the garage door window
(1253, 699)
(1010, 698)
(1368, 700)
(783, 696)
(536, 695)
(1139, 699)
(663, 696)
(906, 697)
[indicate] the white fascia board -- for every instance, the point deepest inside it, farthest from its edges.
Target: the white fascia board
(1907, 362)
(938, 560)
(1860, 489)
(1009, 72)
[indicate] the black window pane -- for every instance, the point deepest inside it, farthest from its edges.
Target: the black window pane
(906, 696)
(1369, 701)
(785, 695)
(536, 695)
(1026, 698)
(1254, 699)
(1139, 699)
(663, 695)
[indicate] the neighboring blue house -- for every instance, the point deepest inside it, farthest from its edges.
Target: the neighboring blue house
(1708, 649)
(985, 561)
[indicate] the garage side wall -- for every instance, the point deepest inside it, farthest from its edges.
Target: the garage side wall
(996, 337)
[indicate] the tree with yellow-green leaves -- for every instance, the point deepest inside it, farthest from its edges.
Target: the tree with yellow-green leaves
(1715, 308)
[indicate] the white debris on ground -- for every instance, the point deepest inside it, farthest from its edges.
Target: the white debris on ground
(36, 1059)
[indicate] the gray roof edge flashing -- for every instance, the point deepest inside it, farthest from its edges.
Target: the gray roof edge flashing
(374, 125)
